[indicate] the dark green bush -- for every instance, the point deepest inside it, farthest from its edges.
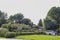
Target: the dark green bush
(50, 34)
(43, 33)
(10, 35)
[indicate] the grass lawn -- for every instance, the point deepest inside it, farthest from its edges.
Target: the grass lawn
(39, 37)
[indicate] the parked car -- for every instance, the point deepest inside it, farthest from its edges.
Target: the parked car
(50, 32)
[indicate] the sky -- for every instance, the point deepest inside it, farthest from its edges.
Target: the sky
(32, 9)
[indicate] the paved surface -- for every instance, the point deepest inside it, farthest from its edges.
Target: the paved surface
(9, 39)
(13, 39)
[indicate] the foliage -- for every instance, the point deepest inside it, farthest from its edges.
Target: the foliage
(14, 27)
(3, 31)
(3, 17)
(54, 14)
(50, 25)
(40, 23)
(10, 34)
(8, 21)
(54, 17)
(27, 21)
(17, 17)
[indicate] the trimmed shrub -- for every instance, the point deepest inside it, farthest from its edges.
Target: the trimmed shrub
(10, 27)
(3, 31)
(14, 27)
(18, 33)
(10, 35)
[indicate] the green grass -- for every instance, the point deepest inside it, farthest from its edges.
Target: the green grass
(39, 37)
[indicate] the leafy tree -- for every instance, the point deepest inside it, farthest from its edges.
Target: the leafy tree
(17, 18)
(54, 14)
(8, 21)
(49, 25)
(27, 21)
(3, 17)
(12, 18)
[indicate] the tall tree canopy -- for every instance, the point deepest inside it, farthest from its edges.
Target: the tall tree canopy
(17, 17)
(50, 25)
(27, 21)
(40, 23)
(3, 17)
(54, 16)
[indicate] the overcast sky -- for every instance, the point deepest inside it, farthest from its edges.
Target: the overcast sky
(33, 9)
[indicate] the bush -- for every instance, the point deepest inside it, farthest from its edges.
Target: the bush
(14, 27)
(49, 33)
(10, 27)
(10, 35)
(43, 33)
(3, 31)
(18, 33)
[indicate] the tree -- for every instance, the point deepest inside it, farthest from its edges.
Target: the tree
(49, 25)
(8, 21)
(12, 18)
(54, 14)
(40, 23)
(17, 17)
(27, 21)
(54, 17)
(3, 17)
